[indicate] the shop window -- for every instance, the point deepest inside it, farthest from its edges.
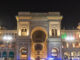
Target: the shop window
(11, 54)
(4, 54)
(73, 54)
(66, 55)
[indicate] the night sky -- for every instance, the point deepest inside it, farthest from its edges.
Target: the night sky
(69, 9)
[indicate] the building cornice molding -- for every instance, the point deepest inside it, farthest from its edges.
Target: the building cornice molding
(39, 18)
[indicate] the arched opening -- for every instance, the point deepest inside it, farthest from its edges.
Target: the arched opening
(74, 55)
(11, 55)
(38, 47)
(38, 36)
(23, 53)
(4, 55)
(54, 52)
(66, 55)
(39, 31)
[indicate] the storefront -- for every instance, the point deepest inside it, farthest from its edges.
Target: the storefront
(11, 55)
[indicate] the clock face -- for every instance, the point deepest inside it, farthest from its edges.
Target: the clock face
(24, 51)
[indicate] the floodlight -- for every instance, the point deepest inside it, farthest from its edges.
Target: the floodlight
(70, 38)
(7, 38)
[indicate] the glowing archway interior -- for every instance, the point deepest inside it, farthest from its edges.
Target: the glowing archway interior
(39, 28)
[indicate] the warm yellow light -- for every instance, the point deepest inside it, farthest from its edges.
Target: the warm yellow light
(79, 44)
(79, 35)
(73, 53)
(32, 58)
(39, 28)
(50, 32)
(73, 45)
(23, 56)
(54, 50)
(28, 32)
(58, 33)
(19, 32)
(67, 45)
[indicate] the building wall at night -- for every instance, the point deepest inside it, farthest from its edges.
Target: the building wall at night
(39, 36)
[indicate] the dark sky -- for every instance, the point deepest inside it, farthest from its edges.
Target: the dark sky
(69, 9)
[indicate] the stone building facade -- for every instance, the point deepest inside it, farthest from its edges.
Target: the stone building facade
(38, 37)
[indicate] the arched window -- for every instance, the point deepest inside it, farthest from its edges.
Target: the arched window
(24, 51)
(23, 30)
(54, 32)
(11, 54)
(73, 54)
(66, 55)
(54, 52)
(39, 36)
(4, 54)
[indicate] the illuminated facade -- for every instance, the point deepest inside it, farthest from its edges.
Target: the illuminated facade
(39, 37)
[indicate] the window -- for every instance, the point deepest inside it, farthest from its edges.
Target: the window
(73, 53)
(54, 32)
(54, 52)
(66, 55)
(24, 30)
(4, 54)
(11, 54)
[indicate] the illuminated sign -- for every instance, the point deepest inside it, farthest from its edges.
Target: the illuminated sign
(70, 36)
(63, 36)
